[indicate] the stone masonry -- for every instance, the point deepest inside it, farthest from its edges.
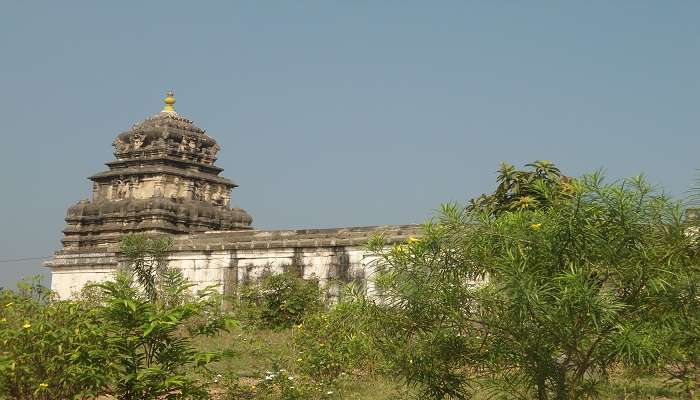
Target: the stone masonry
(164, 181)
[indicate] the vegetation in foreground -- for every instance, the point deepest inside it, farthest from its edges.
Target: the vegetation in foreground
(542, 290)
(549, 288)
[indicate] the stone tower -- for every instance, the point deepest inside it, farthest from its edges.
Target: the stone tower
(163, 181)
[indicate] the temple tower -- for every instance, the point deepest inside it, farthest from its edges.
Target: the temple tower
(163, 181)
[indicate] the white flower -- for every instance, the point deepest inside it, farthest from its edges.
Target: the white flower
(329, 392)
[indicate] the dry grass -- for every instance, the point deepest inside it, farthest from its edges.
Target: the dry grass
(251, 352)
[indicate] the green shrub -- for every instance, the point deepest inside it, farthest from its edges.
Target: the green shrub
(149, 343)
(48, 349)
(130, 338)
(334, 343)
(150, 318)
(577, 286)
(280, 300)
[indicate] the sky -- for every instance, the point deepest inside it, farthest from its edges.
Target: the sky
(349, 113)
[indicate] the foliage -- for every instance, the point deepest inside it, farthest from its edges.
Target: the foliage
(280, 300)
(130, 338)
(258, 351)
(149, 345)
(535, 302)
(523, 189)
(49, 349)
(680, 314)
(149, 327)
(146, 259)
(336, 343)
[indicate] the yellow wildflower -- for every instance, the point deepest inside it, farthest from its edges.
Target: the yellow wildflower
(27, 325)
(413, 240)
(536, 227)
(526, 200)
(43, 385)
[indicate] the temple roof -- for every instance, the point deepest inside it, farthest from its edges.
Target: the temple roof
(168, 132)
(163, 181)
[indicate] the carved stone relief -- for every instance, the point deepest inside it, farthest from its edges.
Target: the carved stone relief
(137, 140)
(120, 189)
(217, 197)
(133, 186)
(199, 191)
(120, 146)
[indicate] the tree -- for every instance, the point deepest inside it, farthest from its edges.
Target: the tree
(523, 189)
(680, 314)
(534, 302)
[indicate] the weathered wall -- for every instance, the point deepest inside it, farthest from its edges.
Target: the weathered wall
(228, 259)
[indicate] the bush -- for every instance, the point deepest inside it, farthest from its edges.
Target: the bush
(130, 338)
(50, 349)
(150, 344)
(279, 300)
(334, 343)
(579, 285)
(150, 319)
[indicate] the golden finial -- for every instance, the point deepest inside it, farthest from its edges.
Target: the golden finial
(169, 100)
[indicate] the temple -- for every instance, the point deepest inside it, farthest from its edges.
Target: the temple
(164, 181)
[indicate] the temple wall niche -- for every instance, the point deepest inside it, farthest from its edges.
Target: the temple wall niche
(173, 188)
(100, 192)
(144, 189)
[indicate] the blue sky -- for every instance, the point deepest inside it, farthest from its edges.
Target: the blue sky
(337, 113)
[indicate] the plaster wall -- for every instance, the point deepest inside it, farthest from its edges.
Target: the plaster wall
(230, 259)
(69, 273)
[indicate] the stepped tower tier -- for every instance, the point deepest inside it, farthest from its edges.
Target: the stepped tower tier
(163, 181)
